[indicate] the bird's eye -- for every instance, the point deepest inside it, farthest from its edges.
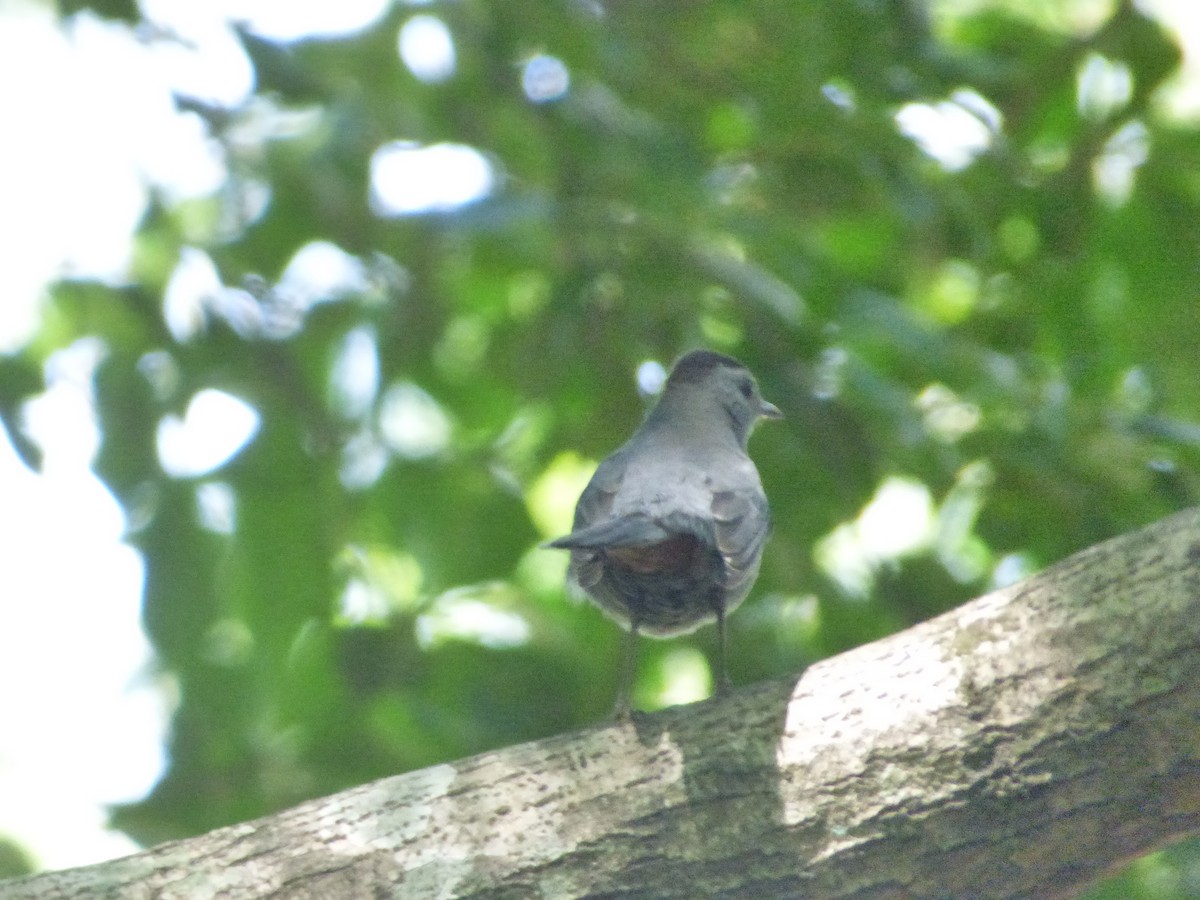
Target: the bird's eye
(747, 389)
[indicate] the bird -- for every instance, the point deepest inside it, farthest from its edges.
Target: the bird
(669, 532)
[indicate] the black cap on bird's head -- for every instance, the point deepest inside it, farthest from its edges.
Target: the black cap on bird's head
(698, 364)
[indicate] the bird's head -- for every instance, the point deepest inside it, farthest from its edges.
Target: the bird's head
(706, 379)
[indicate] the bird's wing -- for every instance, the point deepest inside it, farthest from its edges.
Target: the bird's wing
(737, 523)
(741, 524)
(594, 506)
(596, 502)
(623, 531)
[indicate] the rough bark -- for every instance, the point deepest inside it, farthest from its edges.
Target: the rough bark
(1015, 747)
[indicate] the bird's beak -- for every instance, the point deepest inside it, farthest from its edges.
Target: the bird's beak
(769, 410)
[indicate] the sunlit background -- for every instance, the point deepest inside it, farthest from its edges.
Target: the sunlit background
(91, 127)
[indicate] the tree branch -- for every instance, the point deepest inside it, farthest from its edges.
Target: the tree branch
(1017, 746)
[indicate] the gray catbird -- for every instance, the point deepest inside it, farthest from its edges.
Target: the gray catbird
(668, 534)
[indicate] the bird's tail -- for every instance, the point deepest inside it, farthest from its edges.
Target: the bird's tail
(626, 531)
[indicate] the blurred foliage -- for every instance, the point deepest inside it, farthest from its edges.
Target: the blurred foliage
(1016, 331)
(14, 861)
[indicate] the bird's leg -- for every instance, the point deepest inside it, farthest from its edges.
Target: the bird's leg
(724, 685)
(624, 710)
